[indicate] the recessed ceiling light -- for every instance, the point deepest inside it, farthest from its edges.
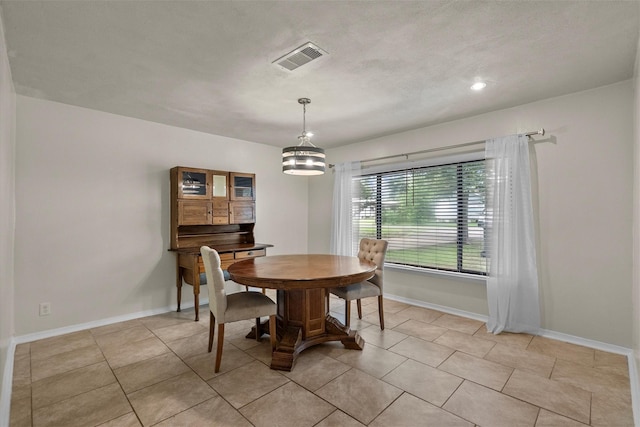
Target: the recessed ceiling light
(478, 86)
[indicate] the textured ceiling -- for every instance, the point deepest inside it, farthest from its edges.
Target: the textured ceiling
(392, 66)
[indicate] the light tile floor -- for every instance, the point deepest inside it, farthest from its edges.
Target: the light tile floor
(426, 369)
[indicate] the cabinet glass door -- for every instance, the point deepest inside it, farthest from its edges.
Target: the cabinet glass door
(193, 184)
(243, 186)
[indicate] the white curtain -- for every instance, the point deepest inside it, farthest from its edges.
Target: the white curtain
(343, 233)
(512, 283)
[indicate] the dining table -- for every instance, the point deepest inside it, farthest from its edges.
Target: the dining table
(302, 282)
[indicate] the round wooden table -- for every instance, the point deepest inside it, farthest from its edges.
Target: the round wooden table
(302, 282)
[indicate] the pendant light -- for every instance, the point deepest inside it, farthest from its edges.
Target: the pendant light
(304, 158)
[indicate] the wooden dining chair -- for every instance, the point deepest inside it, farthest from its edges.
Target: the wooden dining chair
(373, 250)
(237, 306)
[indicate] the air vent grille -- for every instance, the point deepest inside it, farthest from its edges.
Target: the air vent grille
(300, 56)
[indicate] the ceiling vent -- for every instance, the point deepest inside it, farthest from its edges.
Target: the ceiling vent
(298, 57)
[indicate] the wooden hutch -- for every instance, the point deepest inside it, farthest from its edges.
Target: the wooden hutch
(211, 208)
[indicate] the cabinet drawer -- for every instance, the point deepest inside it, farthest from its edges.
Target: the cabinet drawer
(226, 256)
(226, 259)
(251, 254)
(220, 212)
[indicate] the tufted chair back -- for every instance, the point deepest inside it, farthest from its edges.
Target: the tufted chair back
(375, 251)
(215, 282)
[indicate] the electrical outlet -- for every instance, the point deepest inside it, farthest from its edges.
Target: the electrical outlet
(45, 308)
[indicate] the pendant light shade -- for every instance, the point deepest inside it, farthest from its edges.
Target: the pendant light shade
(304, 158)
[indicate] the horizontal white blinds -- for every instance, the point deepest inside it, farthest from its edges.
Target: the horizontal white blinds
(432, 216)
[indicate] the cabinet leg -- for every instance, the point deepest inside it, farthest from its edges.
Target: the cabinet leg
(179, 284)
(196, 289)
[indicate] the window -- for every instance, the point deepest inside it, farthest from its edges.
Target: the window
(432, 216)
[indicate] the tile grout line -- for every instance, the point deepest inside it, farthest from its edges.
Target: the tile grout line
(548, 409)
(289, 380)
(117, 380)
(166, 379)
(222, 374)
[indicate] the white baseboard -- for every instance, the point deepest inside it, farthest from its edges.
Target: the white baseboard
(102, 322)
(444, 309)
(7, 378)
(611, 348)
(635, 388)
(7, 383)
(5, 401)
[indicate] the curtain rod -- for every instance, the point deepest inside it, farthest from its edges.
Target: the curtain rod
(540, 131)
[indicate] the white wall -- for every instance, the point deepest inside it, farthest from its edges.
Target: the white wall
(584, 200)
(7, 202)
(93, 214)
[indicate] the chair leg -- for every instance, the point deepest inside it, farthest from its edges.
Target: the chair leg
(272, 331)
(212, 325)
(219, 348)
(381, 312)
(258, 329)
(359, 304)
(347, 313)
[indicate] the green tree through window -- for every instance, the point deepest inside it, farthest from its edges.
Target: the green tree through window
(433, 216)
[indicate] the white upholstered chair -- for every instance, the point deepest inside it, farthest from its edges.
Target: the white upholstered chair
(225, 308)
(375, 251)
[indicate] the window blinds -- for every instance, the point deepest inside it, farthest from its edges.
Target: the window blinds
(432, 216)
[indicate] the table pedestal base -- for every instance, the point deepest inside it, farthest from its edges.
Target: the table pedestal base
(297, 309)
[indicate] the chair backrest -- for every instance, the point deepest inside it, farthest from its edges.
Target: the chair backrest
(215, 283)
(374, 250)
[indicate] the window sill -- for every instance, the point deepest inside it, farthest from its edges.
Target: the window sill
(463, 277)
